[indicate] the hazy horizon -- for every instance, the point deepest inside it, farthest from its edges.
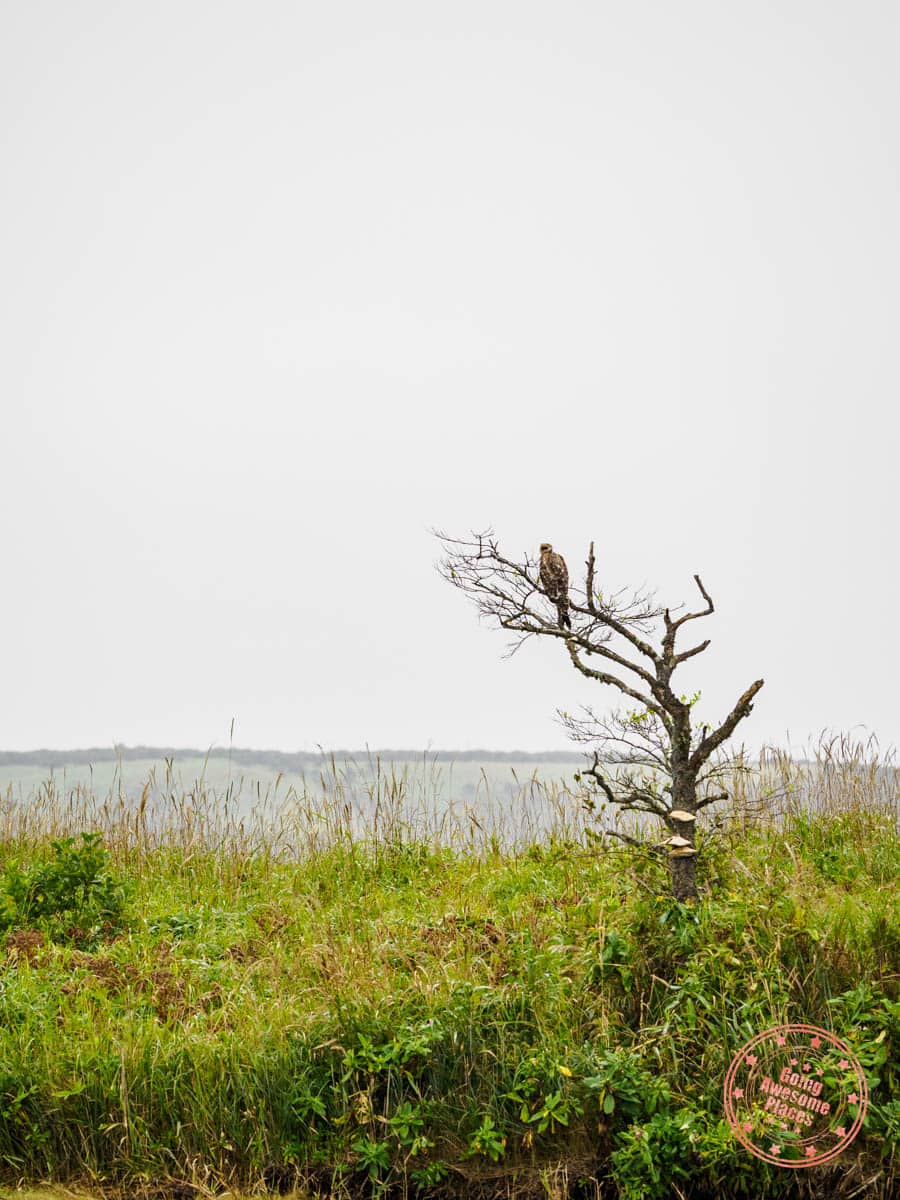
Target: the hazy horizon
(66, 756)
(140, 751)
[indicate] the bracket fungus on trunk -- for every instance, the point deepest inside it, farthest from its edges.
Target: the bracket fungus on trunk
(679, 847)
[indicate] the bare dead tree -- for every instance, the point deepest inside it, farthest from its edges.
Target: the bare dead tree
(661, 765)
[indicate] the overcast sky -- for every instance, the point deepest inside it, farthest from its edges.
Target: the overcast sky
(285, 285)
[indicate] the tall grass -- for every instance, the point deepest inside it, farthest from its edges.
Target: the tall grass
(383, 803)
(363, 992)
(389, 804)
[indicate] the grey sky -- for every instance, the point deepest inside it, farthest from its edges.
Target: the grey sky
(285, 285)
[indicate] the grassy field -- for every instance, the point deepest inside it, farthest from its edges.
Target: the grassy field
(193, 1002)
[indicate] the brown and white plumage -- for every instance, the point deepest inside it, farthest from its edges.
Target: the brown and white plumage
(555, 581)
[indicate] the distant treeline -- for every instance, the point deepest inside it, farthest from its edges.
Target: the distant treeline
(281, 760)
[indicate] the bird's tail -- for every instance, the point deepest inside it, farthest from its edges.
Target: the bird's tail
(562, 609)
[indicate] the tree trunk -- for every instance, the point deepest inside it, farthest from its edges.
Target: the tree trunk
(683, 866)
(683, 875)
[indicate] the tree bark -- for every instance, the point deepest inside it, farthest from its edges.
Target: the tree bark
(683, 867)
(683, 877)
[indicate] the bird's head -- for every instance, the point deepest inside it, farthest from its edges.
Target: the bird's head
(546, 548)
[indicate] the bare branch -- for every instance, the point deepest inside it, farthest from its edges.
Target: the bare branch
(707, 800)
(612, 680)
(626, 792)
(640, 799)
(626, 837)
(595, 772)
(742, 709)
(637, 739)
(623, 631)
(672, 627)
(686, 654)
(589, 582)
(704, 612)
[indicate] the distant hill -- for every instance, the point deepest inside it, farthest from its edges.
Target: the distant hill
(281, 760)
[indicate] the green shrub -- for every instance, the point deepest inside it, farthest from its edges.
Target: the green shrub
(652, 1158)
(76, 889)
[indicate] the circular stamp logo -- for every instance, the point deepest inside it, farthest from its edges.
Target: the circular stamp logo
(795, 1095)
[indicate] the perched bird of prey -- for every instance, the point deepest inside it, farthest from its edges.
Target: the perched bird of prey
(555, 580)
